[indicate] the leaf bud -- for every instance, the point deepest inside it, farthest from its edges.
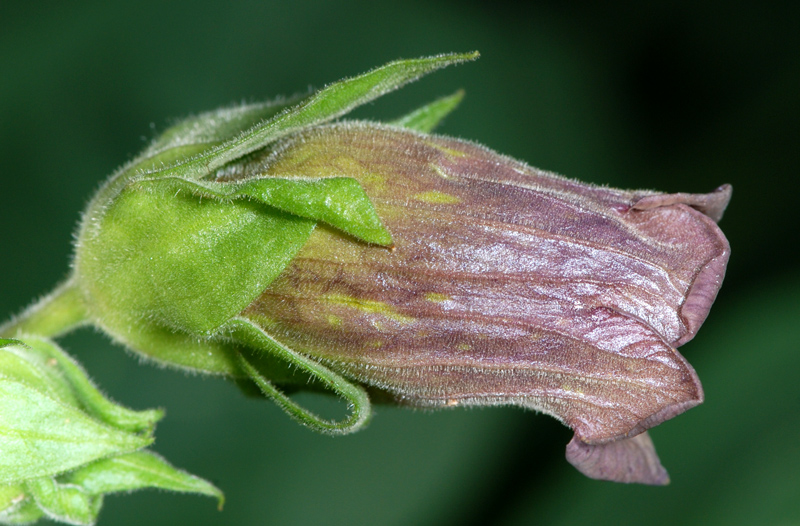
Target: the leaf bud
(65, 445)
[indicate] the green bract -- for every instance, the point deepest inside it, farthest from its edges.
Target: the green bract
(64, 445)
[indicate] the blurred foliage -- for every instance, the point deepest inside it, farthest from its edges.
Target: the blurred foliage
(674, 96)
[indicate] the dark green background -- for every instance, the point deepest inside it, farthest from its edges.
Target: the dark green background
(677, 97)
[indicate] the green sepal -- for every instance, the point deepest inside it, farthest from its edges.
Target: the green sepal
(198, 146)
(192, 254)
(195, 135)
(338, 201)
(329, 103)
(17, 506)
(428, 117)
(64, 502)
(154, 258)
(215, 127)
(244, 331)
(174, 259)
(138, 470)
(45, 427)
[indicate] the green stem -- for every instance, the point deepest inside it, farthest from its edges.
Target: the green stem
(57, 313)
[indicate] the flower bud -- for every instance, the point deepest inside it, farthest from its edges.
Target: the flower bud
(505, 285)
(64, 445)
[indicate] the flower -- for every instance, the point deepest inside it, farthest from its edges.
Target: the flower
(505, 285)
(264, 242)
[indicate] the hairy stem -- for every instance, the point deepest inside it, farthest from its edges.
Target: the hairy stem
(55, 314)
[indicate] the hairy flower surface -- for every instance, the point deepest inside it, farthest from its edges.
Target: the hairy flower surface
(505, 285)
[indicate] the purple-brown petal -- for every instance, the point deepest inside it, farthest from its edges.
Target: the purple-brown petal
(704, 287)
(506, 285)
(712, 204)
(625, 460)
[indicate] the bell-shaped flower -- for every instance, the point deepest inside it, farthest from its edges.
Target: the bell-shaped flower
(504, 285)
(263, 242)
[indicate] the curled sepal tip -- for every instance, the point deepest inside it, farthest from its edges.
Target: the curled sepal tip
(360, 409)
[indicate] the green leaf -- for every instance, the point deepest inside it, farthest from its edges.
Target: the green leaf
(338, 201)
(428, 117)
(21, 363)
(142, 469)
(65, 503)
(40, 364)
(53, 418)
(247, 333)
(329, 103)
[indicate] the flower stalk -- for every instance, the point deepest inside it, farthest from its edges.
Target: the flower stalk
(55, 314)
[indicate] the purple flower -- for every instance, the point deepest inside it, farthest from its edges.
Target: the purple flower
(506, 285)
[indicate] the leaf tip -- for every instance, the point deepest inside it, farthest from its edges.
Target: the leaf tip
(471, 55)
